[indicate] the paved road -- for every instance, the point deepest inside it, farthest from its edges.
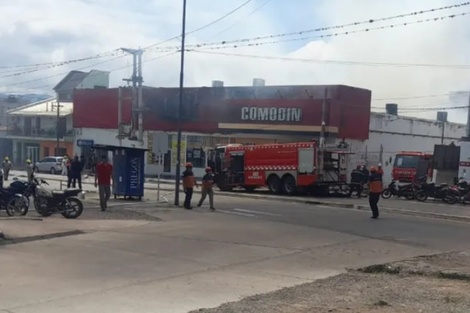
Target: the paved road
(194, 259)
(429, 207)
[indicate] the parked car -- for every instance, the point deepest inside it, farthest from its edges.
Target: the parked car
(51, 164)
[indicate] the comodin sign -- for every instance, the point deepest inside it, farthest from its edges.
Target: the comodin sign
(271, 114)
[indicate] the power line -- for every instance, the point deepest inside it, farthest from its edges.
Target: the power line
(412, 97)
(237, 22)
(53, 64)
(111, 70)
(453, 66)
(322, 29)
(246, 40)
(424, 109)
(202, 27)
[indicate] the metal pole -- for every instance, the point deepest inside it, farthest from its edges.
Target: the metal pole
(119, 114)
(57, 147)
(322, 133)
(139, 98)
(180, 106)
(443, 132)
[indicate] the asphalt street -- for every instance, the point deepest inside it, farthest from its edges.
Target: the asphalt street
(187, 260)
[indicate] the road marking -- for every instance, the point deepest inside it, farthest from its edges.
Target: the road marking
(256, 212)
(236, 213)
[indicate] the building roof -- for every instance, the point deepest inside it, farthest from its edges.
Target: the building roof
(43, 108)
(70, 81)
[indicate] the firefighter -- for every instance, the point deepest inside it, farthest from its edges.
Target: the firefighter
(6, 166)
(207, 188)
(357, 181)
(375, 189)
(189, 181)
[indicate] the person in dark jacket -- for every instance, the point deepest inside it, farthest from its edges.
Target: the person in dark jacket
(76, 172)
(357, 181)
(375, 189)
(366, 174)
(189, 181)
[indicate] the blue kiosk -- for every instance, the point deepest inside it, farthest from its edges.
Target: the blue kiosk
(128, 171)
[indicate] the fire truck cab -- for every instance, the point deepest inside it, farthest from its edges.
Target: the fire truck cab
(283, 168)
(410, 165)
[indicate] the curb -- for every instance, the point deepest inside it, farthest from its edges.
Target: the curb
(20, 218)
(359, 207)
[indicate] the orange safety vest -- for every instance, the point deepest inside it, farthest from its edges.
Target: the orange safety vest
(189, 180)
(375, 183)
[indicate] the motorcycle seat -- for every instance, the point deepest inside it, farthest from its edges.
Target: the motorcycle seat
(58, 192)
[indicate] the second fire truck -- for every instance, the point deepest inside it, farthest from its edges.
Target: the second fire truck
(283, 168)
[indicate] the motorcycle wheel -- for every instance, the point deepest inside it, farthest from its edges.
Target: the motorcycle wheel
(42, 210)
(17, 206)
(73, 208)
(450, 199)
(386, 193)
(410, 195)
(421, 196)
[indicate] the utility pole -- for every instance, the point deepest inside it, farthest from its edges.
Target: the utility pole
(322, 134)
(180, 107)
(137, 102)
(57, 145)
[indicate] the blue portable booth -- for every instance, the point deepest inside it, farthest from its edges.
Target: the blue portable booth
(128, 171)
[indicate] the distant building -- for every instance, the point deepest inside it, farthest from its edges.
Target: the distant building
(34, 129)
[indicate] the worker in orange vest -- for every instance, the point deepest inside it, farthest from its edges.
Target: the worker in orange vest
(189, 181)
(375, 189)
(207, 189)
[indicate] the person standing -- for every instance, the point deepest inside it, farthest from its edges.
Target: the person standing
(64, 165)
(76, 171)
(68, 166)
(29, 170)
(375, 189)
(104, 172)
(189, 181)
(6, 166)
(207, 188)
(357, 181)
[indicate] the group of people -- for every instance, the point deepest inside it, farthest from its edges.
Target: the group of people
(189, 182)
(373, 177)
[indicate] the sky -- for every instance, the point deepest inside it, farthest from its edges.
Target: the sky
(48, 31)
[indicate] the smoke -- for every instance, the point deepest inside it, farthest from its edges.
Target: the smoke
(438, 42)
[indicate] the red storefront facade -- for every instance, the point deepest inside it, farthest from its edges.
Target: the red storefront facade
(274, 110)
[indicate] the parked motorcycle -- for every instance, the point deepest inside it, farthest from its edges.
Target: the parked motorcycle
(458, 192)
(65, 202)
(430, 190)
(15, 198)
(394, 189)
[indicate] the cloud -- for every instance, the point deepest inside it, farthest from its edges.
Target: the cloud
(48, 31)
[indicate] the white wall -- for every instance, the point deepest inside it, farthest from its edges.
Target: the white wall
(391, 134)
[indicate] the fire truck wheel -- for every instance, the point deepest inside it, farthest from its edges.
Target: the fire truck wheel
(274, 184)
(288, 185)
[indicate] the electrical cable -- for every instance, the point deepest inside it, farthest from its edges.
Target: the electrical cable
(322, 29)
(200, 28)
(237, 22)
(224, 43)
(112, 70)
(453, 66)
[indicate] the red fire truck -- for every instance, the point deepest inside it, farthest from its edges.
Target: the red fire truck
(409, 164)
(283, 168)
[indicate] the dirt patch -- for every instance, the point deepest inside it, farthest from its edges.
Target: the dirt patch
(432, 284)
